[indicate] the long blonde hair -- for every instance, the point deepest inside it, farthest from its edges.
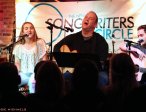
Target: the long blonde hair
(22, 33)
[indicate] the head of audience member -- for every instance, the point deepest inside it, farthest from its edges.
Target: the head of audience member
(9, 78)
(141, 32)
(135, 99)
(85, 75)
(123, 71)
(49, 81)
(37, 66)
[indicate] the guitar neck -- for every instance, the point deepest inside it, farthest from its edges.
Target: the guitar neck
(135, 54)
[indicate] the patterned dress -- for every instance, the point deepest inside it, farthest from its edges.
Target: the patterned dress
(28, 59)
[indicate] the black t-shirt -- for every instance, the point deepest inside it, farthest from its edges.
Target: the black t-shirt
(95, 45)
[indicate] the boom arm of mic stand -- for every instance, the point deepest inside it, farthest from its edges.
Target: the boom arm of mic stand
(10, 49)
(129, 45)
(51, 31)
(11, 45)
(113, 43)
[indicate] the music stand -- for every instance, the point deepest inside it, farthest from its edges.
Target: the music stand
(65, 59)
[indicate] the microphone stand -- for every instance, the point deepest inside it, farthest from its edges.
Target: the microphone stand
(50, 27)
(51, 31)
(11, 56)
(10, 47)
(113, 43)
(129, 45)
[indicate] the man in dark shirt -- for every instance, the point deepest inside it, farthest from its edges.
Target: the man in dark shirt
(85, 41)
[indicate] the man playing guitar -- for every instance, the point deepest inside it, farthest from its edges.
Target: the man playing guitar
(85, 41)
(138, 51)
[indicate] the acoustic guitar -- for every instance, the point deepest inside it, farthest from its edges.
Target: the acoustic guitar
(65, 48)
(139, 59)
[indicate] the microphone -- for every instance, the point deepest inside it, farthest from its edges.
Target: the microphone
(69, 29)
(57, 27)
(140, 41)
(22, 37)
(113, 39)
(25, 35)
(47, 22)
(129, 41)
(113, 35)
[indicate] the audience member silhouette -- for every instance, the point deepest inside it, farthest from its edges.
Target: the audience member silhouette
(10, 97)
(122, 81)
(49, 89)
(135, 100)
(36, 68)
(24, 88)
(85, 95)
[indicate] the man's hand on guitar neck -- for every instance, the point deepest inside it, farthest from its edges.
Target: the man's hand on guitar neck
(65, 48)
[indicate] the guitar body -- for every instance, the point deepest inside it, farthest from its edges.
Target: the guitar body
(141, 64)
(65, 48)
(135, 55)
